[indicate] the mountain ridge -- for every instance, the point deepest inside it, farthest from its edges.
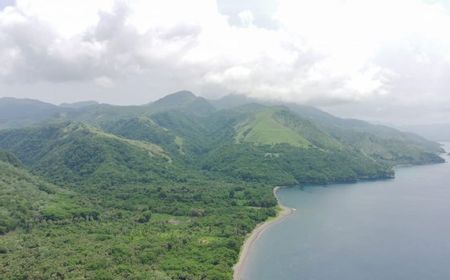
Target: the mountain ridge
(184, 107)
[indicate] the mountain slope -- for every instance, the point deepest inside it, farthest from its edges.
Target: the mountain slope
(379, 142)
(264, 128)
(271, 144)
(277, 125)
(192, 132)
(233, 101)
(182, 101)
(145, 129)
(382, 143)
(78, 105)
(21, 197)
(22, 112)
(167, 228)
(80, 154)
(9, 158)
(26, 200)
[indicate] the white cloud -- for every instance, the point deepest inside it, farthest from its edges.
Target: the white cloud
(246, 18)
(68, 17)
(104, 81)
(322, 52)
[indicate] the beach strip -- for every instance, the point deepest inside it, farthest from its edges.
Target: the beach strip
(256, 233)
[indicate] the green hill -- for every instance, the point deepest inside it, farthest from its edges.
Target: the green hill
(111, 227)
(383, 144)
(77, 153)
(26, 199)
(271, 144)
(16, 112)
(145, 129)
(203, 121)
(277, 125)
(264, 128)
(182, 133)
(182, 101)
(79, 105)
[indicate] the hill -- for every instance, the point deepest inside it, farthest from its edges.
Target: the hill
(143, 220)
(381, 143)
(265, 128)
(76, 153)
(277, 125)
(26, 200)
(147, 130)
(22, 112)
(182, 101)
(196, 118)
(188, 132)
(78, 105)
(271, 144)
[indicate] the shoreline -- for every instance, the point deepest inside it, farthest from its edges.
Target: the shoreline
(283, 212)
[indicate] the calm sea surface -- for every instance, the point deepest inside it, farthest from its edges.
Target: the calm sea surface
(386, 230)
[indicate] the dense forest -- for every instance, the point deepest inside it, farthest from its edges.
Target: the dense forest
(170, 189)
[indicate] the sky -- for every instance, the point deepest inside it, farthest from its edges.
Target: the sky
(386, 61)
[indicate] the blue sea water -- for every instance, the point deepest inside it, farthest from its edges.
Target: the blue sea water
(395, 229)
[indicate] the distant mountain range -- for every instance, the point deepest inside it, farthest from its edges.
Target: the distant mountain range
(231, 132)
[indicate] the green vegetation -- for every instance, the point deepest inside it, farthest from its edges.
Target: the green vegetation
(177, 231)
(264, 128)
(9, 158)
(168, 190)
(22, 112)
(26, 199)
(286, 165)
(384, 144)
(72, 153)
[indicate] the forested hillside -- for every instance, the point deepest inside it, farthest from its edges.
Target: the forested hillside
(170, 189)
(26, 199)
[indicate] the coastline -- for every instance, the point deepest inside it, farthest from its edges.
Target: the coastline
(256, 233)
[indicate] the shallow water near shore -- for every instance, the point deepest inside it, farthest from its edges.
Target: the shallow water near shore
(396, 229)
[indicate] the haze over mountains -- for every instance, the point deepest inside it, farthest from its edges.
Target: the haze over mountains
(17, 112)
(435, 132)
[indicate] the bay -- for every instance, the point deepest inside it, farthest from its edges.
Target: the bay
(395, 229)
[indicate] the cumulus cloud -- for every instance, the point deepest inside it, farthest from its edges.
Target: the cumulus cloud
(321, 52)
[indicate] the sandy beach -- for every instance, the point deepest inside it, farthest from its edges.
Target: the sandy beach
(256, 233)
